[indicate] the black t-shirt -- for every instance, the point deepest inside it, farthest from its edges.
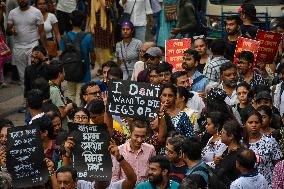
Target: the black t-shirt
(249, 31)
(227, 167)
(230, 51)
(178, 173)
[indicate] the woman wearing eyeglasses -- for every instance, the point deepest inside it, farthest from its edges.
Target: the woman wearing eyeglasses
(200, 44)
(82, 116)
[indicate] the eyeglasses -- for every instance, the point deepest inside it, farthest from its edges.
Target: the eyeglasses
(98, 93)
(198, 37)
(84, 117)
(167, 74)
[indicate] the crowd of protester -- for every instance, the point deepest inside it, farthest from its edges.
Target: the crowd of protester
(220, 124)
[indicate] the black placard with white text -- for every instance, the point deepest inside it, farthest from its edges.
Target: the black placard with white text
(133, 99)
(91, 157)
(25, 157)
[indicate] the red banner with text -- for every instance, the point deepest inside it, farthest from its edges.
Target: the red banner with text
(174, 51)
(269, 43)
(245, 44)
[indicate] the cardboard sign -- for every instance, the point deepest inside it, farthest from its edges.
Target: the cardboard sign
(133, 99)
(91, 158)
(25, 157)
(174, 52)
(269, 43)
(245, 44)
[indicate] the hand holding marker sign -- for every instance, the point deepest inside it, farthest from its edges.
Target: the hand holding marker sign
(91, 158)
(133, 99)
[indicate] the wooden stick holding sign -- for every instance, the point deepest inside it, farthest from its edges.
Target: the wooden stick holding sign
(174, 49)
(269, 43)
(91, 157)
(245, 44)
(133, 99)
(25, 157)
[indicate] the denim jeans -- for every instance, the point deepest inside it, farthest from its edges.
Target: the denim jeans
(140, 32)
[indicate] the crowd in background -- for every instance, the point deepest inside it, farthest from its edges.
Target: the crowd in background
(219, 125)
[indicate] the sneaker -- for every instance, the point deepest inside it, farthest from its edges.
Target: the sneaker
(22, 110)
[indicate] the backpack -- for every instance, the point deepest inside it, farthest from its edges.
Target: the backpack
(72, 59)
(209, 175)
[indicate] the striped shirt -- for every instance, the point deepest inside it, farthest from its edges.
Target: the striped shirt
(212, 71)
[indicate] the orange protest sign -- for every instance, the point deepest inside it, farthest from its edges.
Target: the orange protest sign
(269, 43)
(245, 44)
(174, 51)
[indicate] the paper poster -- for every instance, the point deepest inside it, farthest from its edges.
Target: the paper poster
(174, 52)
(269, 43)
(133, 99)
(245, 44)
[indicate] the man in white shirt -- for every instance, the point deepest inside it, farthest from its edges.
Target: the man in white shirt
(250, 178)
(25, 24)
(141, 14)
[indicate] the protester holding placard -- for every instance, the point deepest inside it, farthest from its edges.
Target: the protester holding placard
(81, 116)
(134, 151)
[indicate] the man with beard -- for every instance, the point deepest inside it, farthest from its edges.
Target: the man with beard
(229, 79)
(233, 30)
(191, 60)
(89, 91)
(245, 70)
(195, 102)
(25, 23)
(158, 174)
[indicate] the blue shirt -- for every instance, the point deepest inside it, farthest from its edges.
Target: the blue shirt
(201, 84)
(148, 185)
(87, 46)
